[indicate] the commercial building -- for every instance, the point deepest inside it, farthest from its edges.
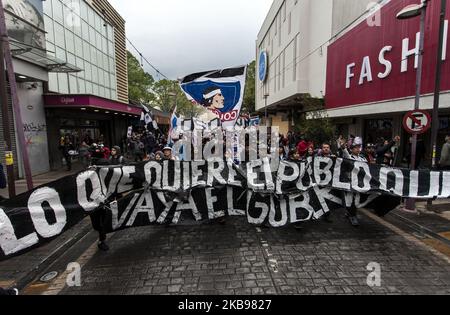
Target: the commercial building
(92, 103)
(371, 84)
(71, 68)
(293, 35)
(32, 64)
(355, 59)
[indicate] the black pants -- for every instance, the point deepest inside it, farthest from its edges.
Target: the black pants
(352, 210)
(68, 159)
(98, 218)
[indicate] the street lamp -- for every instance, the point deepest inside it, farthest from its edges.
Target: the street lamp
(408, 12)
(411, 11)
(437, 86)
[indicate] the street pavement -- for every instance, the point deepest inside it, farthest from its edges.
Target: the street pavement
(238, 258)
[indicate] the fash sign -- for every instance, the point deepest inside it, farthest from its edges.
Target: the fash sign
(382, 66)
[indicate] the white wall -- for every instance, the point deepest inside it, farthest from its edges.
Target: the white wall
(35, 127)
(293, 33)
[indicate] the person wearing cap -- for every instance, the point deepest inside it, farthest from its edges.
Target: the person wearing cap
(167, 153)
(116, 156)
(369, 153)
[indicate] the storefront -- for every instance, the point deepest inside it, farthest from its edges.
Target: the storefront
(371, 85)
(86, 118)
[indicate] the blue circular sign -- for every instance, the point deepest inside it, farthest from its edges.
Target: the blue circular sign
(262, 66)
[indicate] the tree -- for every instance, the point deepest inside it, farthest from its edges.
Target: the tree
(316, 126)
(140, 83)
(169, 93)
(248, 105)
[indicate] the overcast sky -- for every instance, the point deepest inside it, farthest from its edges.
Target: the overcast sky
(180, 37)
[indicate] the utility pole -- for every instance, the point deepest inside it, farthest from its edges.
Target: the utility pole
(410, 204)
(5, 119)
(437, 86)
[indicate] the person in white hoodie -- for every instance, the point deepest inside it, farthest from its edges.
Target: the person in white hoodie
(353, 153)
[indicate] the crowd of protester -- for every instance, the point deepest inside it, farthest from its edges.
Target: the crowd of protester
(143, 145)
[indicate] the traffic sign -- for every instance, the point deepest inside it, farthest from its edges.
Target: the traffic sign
(417, 122)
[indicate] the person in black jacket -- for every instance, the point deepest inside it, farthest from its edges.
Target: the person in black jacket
(383, 148)
(99, 217)
(67, 148)
(116, 156)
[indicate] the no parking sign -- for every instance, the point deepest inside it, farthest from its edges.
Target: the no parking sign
(417, 122)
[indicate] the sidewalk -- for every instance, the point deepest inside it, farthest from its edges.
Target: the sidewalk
(19, 271)
(39, 180)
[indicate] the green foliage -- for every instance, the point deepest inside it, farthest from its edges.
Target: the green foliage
(316, 126)
(169, 93)
(248, 105)
(139, 82)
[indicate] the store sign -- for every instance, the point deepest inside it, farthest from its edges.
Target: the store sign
(382, 66)
(67, 100)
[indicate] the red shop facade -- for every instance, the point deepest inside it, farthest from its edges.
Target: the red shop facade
(371, 74)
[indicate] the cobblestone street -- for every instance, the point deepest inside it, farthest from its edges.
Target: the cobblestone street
(237, 258)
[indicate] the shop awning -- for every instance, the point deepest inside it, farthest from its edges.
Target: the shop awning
(90, 102)
(40, 58)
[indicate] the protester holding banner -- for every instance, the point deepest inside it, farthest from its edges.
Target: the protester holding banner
(355, 155)
(168, 153)
(325, 151)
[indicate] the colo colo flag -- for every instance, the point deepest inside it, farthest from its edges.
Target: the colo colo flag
(220, 91)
